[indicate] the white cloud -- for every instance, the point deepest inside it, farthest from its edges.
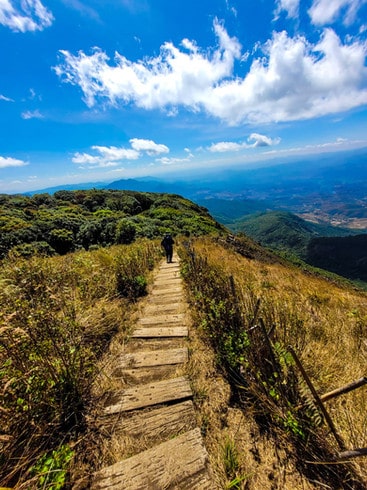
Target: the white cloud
(262, 140)
(172, 78)
(6, 99)
(295, 80)
(106, 156)
(112, 155)
(173, 160)
(290, 6)
(149, 146)
(28, 15)
(230, 146)
(11, 162)
(32, 114)
(225, 146)
(292, 79)
(327, 11)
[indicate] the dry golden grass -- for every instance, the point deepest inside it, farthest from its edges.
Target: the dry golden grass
(326, 325)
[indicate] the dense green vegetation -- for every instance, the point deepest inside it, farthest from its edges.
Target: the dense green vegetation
(282, 230)
(71, 220)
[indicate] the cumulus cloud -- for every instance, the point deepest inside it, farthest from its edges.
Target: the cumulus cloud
(225, 146)
(149, 146)
(327, 11)
(289, 6)
(105, 156)
(11, 162)
(111, 156)
(262, 140)
(173, 78)
(28, 15)
(291, 79)
(253, 141)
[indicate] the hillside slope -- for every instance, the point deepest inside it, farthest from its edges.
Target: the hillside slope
(62, 316)
(333, 249)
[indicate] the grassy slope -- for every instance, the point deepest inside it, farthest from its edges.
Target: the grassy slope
(324, 322)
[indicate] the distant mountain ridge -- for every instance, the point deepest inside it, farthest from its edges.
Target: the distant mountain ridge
(330, 188)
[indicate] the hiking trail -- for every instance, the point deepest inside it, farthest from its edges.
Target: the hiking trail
(155, 411)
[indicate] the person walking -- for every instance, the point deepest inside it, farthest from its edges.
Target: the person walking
(167, 244)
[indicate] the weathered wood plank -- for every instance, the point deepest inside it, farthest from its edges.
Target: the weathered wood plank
(164, 298)
(153, 332)
(151, 309)
(156, 343)
(152, 358)
(165, 291)
(165, 319)
(168, 465)
(146, 375)
(160, 421)
(150, 394)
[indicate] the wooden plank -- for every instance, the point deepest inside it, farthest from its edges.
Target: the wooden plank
(147, 375)
(167, 278)
(159, 421)
(155, 332)
(152, 358)
(156, 343)
(164, 299)
(151, 309)
(164, 319)
(168, 465)
(166, 291)
(150, 394)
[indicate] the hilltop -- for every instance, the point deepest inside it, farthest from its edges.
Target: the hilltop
(68, 220)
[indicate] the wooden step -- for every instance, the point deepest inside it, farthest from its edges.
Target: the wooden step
(156, 343)
(163, 319)
(146, 375)
(168, 279)
(164, 309)
(160, 421)
(151, 394)
(155, 332)
(163, 299)
(179, 463)
(152, 358)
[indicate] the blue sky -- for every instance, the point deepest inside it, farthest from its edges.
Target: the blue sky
(100, 90)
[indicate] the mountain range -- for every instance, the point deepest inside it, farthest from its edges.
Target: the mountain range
(329, 188)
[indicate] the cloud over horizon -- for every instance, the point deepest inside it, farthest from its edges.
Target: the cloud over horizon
(112, 156)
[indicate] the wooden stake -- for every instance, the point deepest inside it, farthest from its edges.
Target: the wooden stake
(318, 400)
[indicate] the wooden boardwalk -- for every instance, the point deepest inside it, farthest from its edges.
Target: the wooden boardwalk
(156, 406)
